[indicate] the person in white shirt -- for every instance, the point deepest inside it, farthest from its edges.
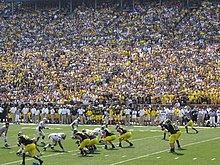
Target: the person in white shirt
(106, 118)
(163, 114)
(181, 115)
(3, 133)
(63, 115)
(45, 112)
(200, 117)
(218, 116)
(17, 116)
(127, 112)
(141, 113)
(54, 139)
(13, 110)
(68, 115)
(37, 115)
(212, 115)
(60, 114)
(80, 112)
(52, 112)
(25, 112)
(134, 117)
(33, 110)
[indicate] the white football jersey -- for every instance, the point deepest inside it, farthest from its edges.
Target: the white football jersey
(56, 136)
(97, 131)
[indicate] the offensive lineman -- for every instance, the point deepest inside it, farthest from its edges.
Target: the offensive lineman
(124, 135)
(84, 141)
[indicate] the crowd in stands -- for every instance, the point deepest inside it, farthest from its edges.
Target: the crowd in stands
(155, 55)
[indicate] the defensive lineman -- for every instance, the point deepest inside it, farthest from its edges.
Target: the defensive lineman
(55, 138)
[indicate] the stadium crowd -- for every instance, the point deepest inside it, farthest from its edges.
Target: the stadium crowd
(155, 55)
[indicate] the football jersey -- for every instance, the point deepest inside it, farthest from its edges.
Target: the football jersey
(97, 131)
(55, 136)
(108, 132)
(41, 126)
(24, 140)
(3, 129)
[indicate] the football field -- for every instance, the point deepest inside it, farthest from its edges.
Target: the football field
(198, 149)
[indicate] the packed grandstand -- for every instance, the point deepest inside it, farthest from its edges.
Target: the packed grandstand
(153, 54)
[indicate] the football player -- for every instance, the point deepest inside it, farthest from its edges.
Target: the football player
(93, 140)
(173, 136)
(74, 124)
(108, 137)
(178, 134)
(123, 135)
(3, 133)
(189, 122)
(83, 141)
(19, 152)
(162, 125)
(55, 138)
(29, 146)
(39, 130)
(99, 132)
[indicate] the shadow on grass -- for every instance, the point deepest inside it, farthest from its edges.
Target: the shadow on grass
(127, 147)
(180, 149)
(112, 149)
(179, 154)
(87, 156)
(192, 133)
(5, 148)
(95, 153)
(56, 151)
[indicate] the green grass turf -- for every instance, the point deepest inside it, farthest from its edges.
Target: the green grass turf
(199, 149)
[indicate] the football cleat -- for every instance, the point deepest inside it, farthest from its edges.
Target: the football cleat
(6, 145)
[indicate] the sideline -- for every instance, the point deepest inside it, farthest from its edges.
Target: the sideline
(158, 152)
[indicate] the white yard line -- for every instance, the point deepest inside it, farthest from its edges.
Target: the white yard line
(19, 161)
(68, 151)
(158, 152)
(116, 162)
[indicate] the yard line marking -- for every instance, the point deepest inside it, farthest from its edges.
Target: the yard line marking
(213, 159)
(158, 152)
(158, 157)
(18, 161)
(146, 138)
(194, 158)
(177, 158)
